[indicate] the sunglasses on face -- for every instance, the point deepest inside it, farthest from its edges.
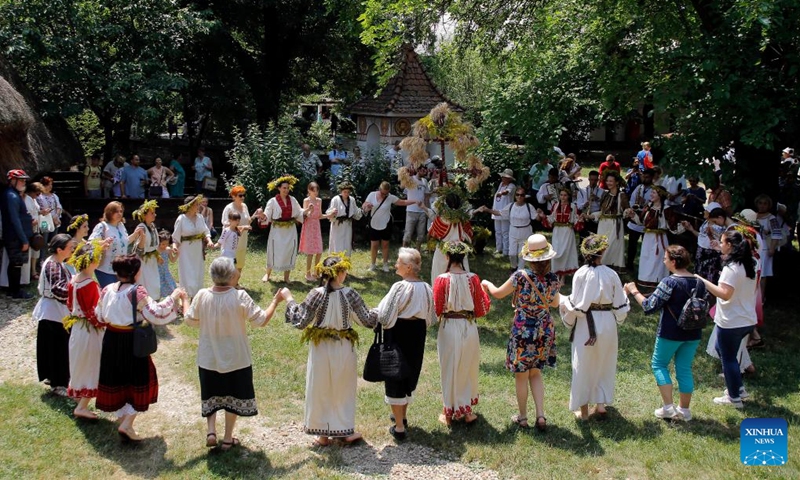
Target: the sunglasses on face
(241, 195)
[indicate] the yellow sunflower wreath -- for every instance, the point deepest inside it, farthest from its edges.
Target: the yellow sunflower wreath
(290, 179)
(343, 265)
(87, 254)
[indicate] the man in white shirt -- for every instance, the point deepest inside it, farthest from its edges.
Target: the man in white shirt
(539, 173)
(416, 218)
(639, 198)
(109, 172)
(547, 195)
(589, 201)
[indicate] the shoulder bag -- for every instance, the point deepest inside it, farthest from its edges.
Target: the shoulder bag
(694, 315)
(145, 342)
(384, 360)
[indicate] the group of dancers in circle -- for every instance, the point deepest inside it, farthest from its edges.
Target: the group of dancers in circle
(95, 292)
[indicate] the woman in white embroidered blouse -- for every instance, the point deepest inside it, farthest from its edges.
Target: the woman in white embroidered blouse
(406, 312)
(327, 315)
(223, 351)
(129, 384)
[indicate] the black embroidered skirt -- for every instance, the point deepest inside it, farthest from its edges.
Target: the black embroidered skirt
(125, 378)
(231, 391)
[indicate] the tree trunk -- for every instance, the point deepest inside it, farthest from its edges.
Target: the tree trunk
(122, 134)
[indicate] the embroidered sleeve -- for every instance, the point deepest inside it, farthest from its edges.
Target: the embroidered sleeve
(98, 310)
(480, 299)
(58, 278)
(440, 292)
(658, 298)
(299, 315)
(391, 305)
(157, 313)
(359, 310)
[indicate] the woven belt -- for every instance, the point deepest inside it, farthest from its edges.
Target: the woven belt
(119, 328)
(562, 224)
(462, 314)
(655, 230)
(601, 306)
(283, 223)
(192, 238)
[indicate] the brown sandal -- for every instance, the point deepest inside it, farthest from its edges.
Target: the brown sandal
(209, 442)
(228, 445)
(541, 424)
(522, 422)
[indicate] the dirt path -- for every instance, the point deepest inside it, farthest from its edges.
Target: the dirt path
(176, 416)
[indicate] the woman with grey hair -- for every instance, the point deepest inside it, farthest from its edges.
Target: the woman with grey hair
(406, 312)
(223, 351)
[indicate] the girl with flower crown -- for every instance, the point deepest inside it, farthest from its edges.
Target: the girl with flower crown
(342, 211)
(283, 212)
(145, 238)
(592, 311)
(86, 334)
(459, 300)
(326, 317)
(188, 236)
(79, 226)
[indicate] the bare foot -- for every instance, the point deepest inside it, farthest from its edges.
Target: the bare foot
(356, 437)
(444, 419)
(265, 278)
(85, 414)
(322, 442)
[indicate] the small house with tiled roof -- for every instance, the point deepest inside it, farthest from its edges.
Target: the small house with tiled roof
(407, 97)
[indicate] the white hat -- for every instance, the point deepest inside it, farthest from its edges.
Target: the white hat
(537, 249)
(788, 150)
(508, 173)
(711, 206)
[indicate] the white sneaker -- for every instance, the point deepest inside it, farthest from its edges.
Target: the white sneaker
(665, 412)
(683, 414)
(386, 268)
(372, 268)
(742, 393)
(727, 400)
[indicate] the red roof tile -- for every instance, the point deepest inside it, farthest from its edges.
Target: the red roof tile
(410, 91)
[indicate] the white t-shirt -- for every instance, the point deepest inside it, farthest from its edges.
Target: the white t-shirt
(740, 310)
(381, 216)
(417, 194)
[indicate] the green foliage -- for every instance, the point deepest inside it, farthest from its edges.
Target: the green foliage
(366, 175)
(320, 136)
(88, 131)
(262, 154)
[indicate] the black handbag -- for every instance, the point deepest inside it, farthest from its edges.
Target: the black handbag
(384, 360)
(155, 191)
(145, 342)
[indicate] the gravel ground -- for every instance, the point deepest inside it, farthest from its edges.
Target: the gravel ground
(177, 413)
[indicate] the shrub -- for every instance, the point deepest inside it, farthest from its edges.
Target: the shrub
(366, 175)
(262, 154)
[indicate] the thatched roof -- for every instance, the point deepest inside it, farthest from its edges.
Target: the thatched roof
(26, 139)
(14, 111)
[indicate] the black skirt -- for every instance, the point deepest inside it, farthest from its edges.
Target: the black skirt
(52, 353)
(409, 336)
(125, 378)
(232, 392)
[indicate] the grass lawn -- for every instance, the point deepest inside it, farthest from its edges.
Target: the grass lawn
(42, 440)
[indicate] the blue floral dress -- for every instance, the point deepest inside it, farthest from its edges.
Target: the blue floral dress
(167, 282)
(533, 334)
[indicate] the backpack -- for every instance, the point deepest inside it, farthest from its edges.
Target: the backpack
(694, 315)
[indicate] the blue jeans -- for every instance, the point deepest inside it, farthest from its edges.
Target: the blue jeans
(728, 342)
(683, 353)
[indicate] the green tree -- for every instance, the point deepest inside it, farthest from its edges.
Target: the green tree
(724, 72)
(114, 58)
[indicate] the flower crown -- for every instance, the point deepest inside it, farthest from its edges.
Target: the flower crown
(594, 245)
(455, 247)
(139, 213)
(749, 234)
(86, 254)
(186, 206)
(334, 270)
(290, 179)
(743, 221)
(77, 222)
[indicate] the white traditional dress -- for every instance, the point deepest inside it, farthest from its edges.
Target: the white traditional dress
(241, 248)
(149, 256)
(459, 300)
(519, 228)
(282, 242)
(341, 236)
(654, 243)
(594, 367)
(565, 222)
(610, 224)
(190, 234)
(331, 374)
(85, 339)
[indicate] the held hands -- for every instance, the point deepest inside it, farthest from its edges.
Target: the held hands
(688, 226)
(367, 206)
(282, 294)
(630, 288)
(485, 284)
(210, 244)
